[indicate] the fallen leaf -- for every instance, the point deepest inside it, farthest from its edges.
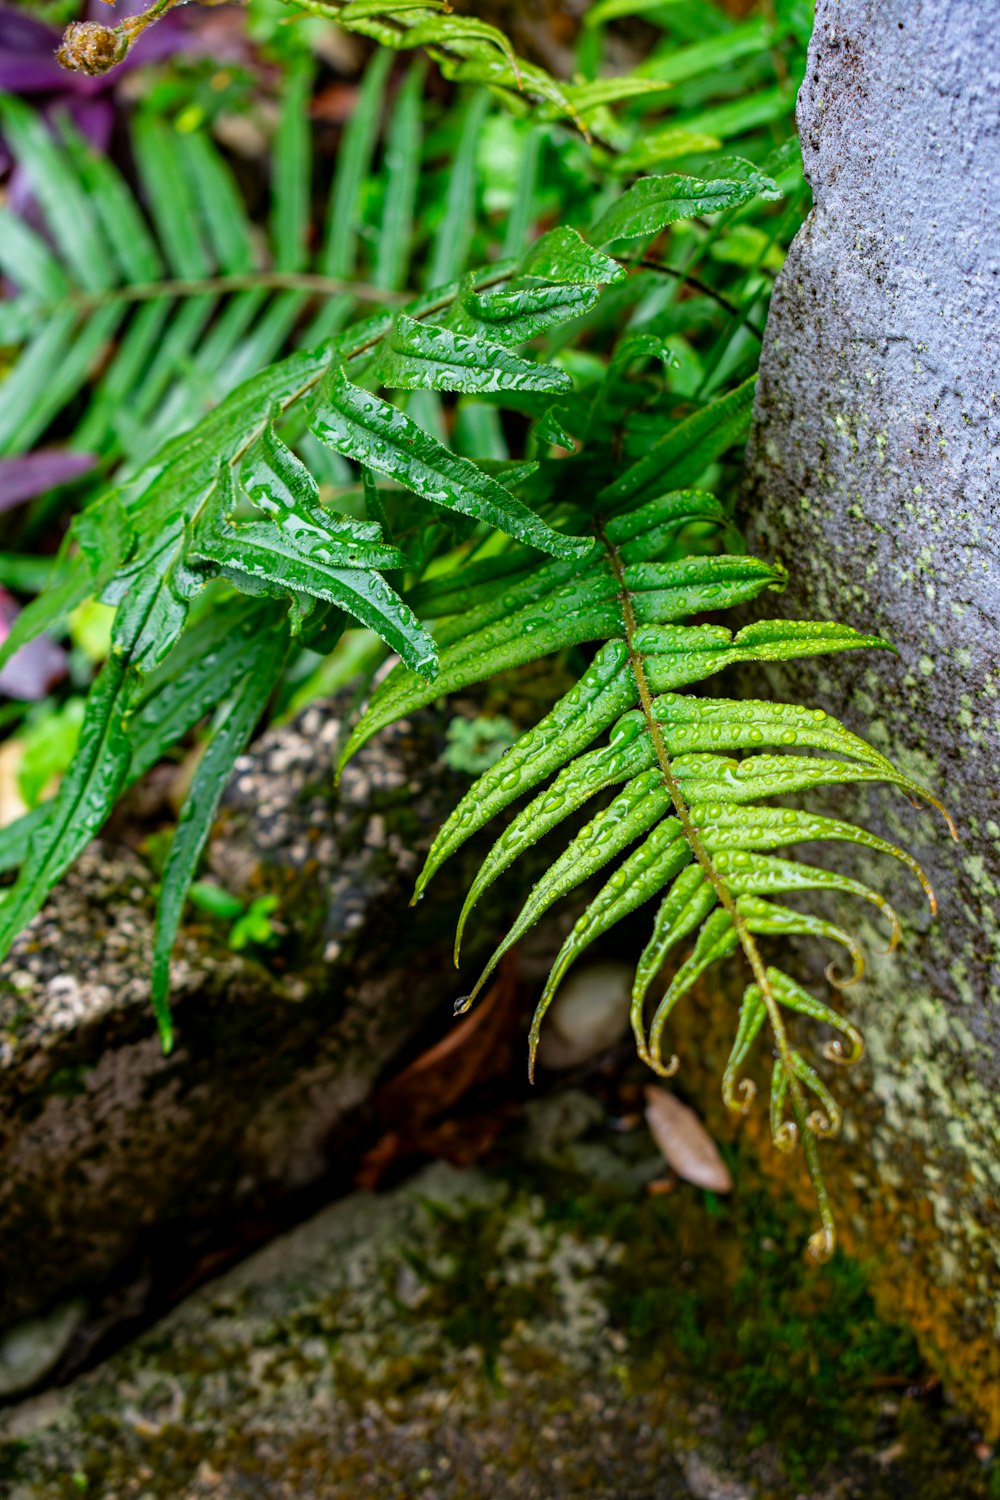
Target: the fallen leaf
(467, 1054)
(686, 1145)
(417, 1106)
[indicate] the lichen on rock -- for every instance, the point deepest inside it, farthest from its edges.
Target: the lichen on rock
(872, 472)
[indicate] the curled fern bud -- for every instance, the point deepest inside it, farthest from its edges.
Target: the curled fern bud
(88, 47)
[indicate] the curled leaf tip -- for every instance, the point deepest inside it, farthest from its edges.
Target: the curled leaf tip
(786, 1137)
(844, 981)
(825, 1125)
(739, 1097)
(837, 1052)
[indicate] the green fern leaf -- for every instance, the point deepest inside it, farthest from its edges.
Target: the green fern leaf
(228, 740)
(419, 356)
(372, 432)
(564, 255)
(687, 821)
(652, 203)
(514, 317)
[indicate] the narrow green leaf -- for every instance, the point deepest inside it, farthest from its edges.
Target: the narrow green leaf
(657, 146)
(454, 233)
(419, 356)
(292, 170)
(739, 1095)
(764, 875)
(672, 64)
(717, 939)
(669, 591)
(27, 261)
(68, 211)
(353, 163)
(229, 739)
(722, 724)
(523, 209)
(168, 192)
(792, 995)
(764, 918)
(220, 205)
(403, 149)
(124, 227)
(92, 784)
(373, 433)
(727, 826)
(712, 778)
(50, 372)
(683, 909)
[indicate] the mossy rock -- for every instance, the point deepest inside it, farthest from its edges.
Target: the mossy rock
(522, 1334)
(117, 1162)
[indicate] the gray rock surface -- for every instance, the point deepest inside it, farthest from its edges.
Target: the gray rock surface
(473, 1337)
(872, 472)
(115, 1160)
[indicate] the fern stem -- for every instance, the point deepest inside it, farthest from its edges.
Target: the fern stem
(355, 353)
(647, 263)
(823, 1242)
(250, 281)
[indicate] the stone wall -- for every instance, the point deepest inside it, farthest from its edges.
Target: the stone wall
(872, 472)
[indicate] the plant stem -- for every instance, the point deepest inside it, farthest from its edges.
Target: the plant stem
(249, 281)
(308, 385)
(647, 263)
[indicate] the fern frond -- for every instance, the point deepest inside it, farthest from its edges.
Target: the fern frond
(689, 822)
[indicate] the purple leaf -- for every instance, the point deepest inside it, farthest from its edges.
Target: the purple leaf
(27, 54)
(32, 474)
(33, 671)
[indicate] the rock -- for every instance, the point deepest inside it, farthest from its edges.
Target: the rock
(122, 1169)
(686, 1145)
(29, 1351)
(588, 1015)
(510, 1336)
(872, 473)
